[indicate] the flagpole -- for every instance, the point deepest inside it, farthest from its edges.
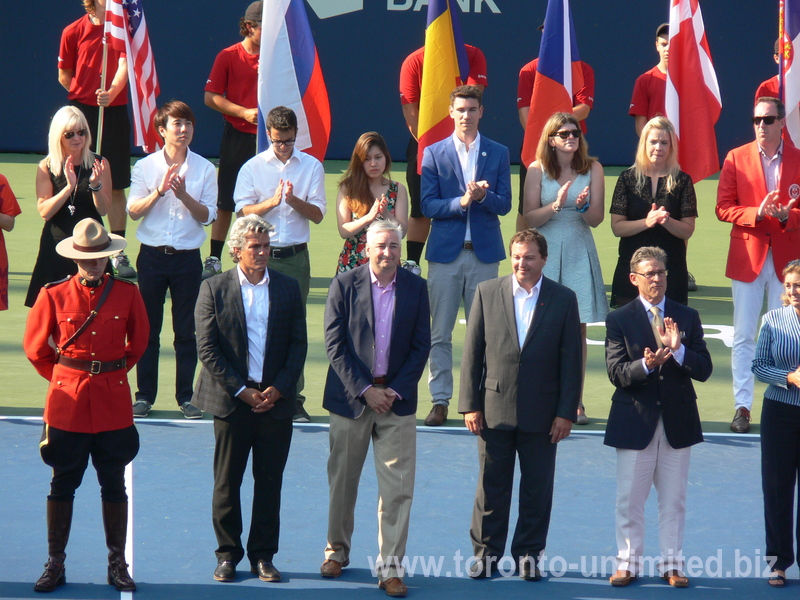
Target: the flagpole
(101, 112)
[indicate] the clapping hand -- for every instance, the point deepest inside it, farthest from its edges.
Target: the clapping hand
(97, 171)
(658, 215)
(582, 199)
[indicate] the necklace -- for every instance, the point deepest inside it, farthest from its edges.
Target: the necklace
(71, 205)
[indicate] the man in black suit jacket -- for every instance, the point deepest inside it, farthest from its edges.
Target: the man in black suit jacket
(377, 332)
(251, 341)
(654, 348)
(520, 386)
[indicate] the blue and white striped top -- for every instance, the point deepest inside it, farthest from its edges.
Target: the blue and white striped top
(778, 353)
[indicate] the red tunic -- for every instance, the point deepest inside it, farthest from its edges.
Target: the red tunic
(81, 50)
(649, 95)
(235, 76)
(8, 206)
(411, 73)
(76, 400)
(527, 79)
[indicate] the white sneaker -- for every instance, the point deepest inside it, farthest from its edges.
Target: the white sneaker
(122, 266)
(410, 265)
(212, 266)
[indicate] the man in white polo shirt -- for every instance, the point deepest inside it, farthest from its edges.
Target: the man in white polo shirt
(287, 187)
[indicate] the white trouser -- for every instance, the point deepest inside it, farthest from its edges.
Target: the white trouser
(748, 298)
(667, 469)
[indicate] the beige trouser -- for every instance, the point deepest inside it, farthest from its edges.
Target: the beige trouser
(394, 441)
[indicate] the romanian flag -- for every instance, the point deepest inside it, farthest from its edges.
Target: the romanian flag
(444, 66)
(692, 102)
(789, 30)
(558, 75)
(289, 74)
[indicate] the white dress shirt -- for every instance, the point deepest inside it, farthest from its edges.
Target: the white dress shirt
(468, 157)
(256, 315)
(169, 222)
(524, 307)
(258, 179)
(680, 352)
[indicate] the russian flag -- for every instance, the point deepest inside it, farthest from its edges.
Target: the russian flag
(558, 74)
(289, 74)
(693, 101)
(444, 66)
(789, 24)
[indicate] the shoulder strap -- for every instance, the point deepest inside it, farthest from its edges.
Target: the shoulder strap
(90, 318)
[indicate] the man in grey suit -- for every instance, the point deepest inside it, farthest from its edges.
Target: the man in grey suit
(520, 386)
(378, 335)
(251, 341)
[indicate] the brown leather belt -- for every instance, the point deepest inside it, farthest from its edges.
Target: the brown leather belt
(95, 367)
(467, 246)
(287, 251)
(380, 380)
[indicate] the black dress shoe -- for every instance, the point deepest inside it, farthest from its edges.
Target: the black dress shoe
(225, 571)
(266, 571)
(528, 574)
(480, 569)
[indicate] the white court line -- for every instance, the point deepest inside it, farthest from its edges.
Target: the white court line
(326, 426)
(129, 535)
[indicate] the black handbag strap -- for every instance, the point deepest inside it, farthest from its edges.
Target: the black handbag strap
(89, 319)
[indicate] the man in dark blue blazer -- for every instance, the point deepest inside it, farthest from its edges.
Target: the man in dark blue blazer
(654, 348)
(466, 187)
(377, 333)
(251, 341)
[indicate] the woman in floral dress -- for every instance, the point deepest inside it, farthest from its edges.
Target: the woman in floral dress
(366, 194)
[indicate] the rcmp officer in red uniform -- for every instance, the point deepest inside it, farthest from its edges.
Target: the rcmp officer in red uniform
(84, 334)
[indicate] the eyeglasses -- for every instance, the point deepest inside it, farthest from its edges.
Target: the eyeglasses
(650, 275)
(284, 143)
(71, 134)
(576, 133)
(766, 120)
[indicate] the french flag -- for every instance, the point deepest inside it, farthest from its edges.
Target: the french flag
(789, 23)
(558, 75)
(289, 74)
(693, 102)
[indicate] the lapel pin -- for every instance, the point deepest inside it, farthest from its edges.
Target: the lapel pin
(483, 153)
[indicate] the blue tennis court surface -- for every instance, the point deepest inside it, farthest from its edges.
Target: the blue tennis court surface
(173, 543)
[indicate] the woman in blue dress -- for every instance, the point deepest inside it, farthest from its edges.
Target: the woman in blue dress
(564, 195)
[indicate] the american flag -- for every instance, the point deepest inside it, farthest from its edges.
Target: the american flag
(127, 27)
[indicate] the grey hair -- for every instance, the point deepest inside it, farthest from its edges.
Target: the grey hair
(243, 227)
(380, 225)
(646, 253)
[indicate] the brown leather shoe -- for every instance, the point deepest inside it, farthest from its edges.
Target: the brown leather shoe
(621, 578)
(437, 416)
(675, 579)
(741, 420)
(332, 568)
(394, 587)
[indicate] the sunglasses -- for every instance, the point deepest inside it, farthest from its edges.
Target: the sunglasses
(71, 134)
(576, 133)
(765, 120)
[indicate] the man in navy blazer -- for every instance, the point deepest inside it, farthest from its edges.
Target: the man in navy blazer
(654, 348)
(466, 187)
(377, 333)
(251, 341)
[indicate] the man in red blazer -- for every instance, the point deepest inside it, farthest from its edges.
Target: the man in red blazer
(758, 189)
